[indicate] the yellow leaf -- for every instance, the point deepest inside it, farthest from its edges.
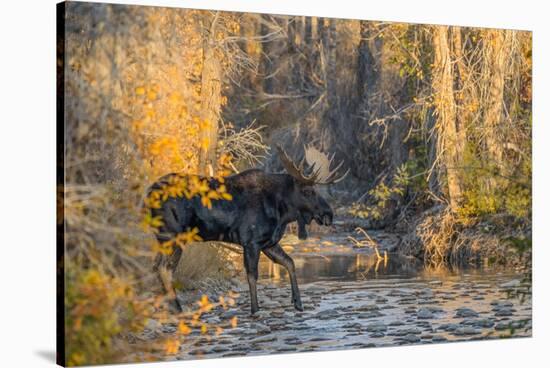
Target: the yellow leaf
(171, 347)
(183, 328)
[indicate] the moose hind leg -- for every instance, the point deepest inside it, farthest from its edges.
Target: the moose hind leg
(165, 267)
(251, 258)
(278, 255)
(165, 264)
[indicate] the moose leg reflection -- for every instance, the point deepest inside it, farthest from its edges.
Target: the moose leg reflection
(277, 254)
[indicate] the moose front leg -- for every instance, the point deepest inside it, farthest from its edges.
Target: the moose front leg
(251, 258)
(278, 255)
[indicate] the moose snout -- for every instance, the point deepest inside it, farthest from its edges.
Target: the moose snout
(324, 218)
(327, 218)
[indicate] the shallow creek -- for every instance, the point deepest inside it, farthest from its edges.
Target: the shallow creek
(353, 300)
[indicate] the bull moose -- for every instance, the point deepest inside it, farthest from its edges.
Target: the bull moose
(262, 205)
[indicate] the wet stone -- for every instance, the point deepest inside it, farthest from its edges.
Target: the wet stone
(439, 338)
(505, 312)
(264, 339)
(411, 338)
(511, 284)
(319, 339)
(219, 349)
(484, 323)
(353, 334)
(352, 326)
(501, 304)
(466, 312)
(230, 314)
(169, 328)
(260, 328)
(233, 354)
(461, 331)
(424, 313)
(397, 323)
(367, 308)
(376, 327)
(406, 331)
(507, 325)
(449, 326)
(367, 315)
(398, 292)
(327, 314)
(406, 301)
(377, 334)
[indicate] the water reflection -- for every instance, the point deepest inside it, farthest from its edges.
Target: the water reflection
(354, 267)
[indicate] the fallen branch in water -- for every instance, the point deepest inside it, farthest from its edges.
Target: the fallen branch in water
(368, 242)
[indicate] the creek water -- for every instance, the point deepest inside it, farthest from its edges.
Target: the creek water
(353, 299)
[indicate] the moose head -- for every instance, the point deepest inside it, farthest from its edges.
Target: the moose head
(304, 197)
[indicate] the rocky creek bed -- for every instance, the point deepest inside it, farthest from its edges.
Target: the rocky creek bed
(353, 300)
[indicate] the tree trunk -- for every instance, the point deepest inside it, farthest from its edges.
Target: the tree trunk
(367, 71)
(266, 64)
(210, 102)
(461, 94)
(496, 56)
(445, 109)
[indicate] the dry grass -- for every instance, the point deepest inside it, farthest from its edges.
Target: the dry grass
(204, 266)
(439, 238)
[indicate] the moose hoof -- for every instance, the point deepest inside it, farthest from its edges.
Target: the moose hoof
(253, 310)
(298, 306)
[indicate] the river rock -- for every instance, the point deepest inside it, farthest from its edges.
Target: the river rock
(511, 284)
(377, 334)
(505, 312)
(501, 304)
(367, 308)
(411, 338)
(424, 313)
(461, 331)
(260, 328)
(484, 323)
(377, 327)
(397, 323)
(449, 326)
(466, 312)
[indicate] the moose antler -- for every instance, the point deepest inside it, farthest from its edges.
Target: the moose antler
(293, 170)
(320, 163)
